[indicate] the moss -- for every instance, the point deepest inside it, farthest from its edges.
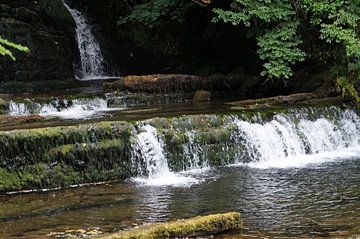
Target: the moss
(3, 106)
(198, 226)
(61, 156)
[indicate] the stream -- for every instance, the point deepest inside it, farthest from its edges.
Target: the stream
(296, 173)
(317, 200)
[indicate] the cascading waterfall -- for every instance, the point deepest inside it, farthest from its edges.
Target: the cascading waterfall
(65, 109)
(289, 142)
(297, 138)
(92, 61)
(150, 148)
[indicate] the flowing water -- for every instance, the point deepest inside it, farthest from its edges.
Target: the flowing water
(92, 61)
(64, 109)
(295, 174)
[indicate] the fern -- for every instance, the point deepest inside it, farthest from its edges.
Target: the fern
(6, 52)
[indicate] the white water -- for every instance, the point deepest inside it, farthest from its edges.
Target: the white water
(92, 61)
(286, 141)
(150, 148)
(77, 109)
(18, 109)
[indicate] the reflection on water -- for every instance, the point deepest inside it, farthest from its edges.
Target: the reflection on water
(322, 200)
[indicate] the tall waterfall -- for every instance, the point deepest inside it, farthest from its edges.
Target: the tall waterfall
(92, 62)
(296, 138)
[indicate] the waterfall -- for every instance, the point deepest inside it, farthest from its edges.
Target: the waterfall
(289, 142)
(92, 62)
(296, 138)
(149, 148)
(65, 109)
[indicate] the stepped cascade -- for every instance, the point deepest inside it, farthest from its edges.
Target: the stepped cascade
(297, 138)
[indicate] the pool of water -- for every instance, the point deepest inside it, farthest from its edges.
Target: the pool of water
(319, 200)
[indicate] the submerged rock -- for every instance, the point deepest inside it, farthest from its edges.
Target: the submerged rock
(193, 227)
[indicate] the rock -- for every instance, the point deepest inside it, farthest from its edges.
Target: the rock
(118, 85)
(277, 100)
(3, 106)
(218, 84)
(162, 83)
(202, 96)
(62, 156)
(52, 51)
(188, 228)
(57, 15)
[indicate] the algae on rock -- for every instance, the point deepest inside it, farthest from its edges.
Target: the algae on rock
(193, 227)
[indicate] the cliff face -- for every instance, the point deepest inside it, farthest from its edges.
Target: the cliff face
(47, 29)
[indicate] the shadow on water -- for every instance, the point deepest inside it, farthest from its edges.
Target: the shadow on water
(316, 201)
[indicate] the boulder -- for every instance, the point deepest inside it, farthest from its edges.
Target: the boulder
(202, 96)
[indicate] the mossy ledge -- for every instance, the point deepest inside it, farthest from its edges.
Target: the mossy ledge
(54, 157)
(63, 156)
(193, 227)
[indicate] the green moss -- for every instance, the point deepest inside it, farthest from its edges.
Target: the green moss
(61, 156)
(3, 106)
(193, 227)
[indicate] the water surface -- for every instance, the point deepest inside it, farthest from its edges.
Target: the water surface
(320, 200)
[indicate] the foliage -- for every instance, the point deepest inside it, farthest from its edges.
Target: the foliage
(347, 88)
(6, 52)
(278, 42)
(280, 26)
(152, 13)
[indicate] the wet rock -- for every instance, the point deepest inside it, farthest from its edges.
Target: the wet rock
(202, 96)
(63, 156)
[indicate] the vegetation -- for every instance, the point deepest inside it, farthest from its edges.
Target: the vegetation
(4, 51)
(282, 27)
(156, 12)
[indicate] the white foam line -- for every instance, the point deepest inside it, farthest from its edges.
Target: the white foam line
(302, 161)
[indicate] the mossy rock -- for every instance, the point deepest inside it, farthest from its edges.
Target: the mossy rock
(193, 227)
(62, 156)
(3, 106)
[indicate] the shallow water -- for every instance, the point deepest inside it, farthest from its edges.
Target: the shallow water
(321, 200)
